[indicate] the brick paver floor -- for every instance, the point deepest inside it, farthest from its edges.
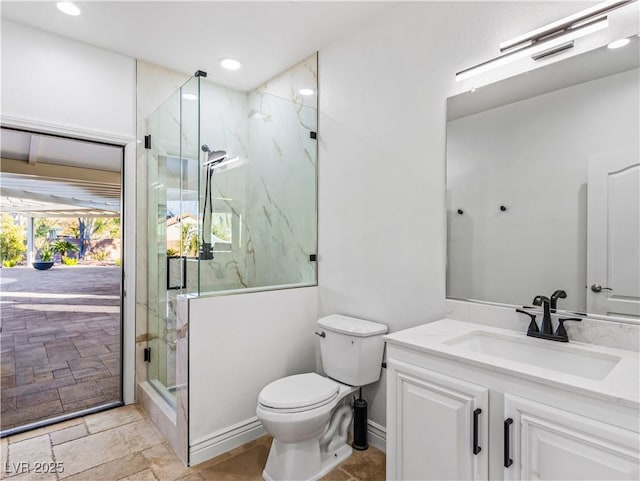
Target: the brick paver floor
(60, 341)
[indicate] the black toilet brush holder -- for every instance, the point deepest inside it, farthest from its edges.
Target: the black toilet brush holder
(360, 424)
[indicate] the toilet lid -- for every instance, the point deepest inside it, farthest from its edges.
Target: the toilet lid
(301, 390)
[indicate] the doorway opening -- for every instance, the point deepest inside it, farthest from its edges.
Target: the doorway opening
(61, 278)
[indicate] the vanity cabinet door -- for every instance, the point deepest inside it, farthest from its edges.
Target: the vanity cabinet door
(547, 443)
(437, 426)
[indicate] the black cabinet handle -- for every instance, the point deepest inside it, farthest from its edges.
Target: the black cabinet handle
(476, 414)
(507, 460)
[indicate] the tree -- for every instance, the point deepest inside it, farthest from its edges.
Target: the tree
(45, 227)
(88, 227)
(12, 241)
(189, 240)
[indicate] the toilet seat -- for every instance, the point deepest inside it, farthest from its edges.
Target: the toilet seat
(298, 393)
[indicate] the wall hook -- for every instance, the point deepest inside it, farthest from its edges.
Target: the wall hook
(503, 208)
(460, 211)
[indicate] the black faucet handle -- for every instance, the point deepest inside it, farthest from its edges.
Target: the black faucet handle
(561, 331)
(533, 325)
(558, 294)
(539, 300)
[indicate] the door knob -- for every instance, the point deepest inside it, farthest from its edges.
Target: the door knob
(599, 288)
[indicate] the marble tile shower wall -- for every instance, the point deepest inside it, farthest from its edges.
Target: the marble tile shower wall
(223, 125)
(281, 193)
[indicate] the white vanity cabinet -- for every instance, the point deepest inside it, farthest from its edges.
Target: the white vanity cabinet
(525, 429)
(549, 443)
(439, 425)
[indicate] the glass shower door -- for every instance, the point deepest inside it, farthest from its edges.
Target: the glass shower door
(172, 230)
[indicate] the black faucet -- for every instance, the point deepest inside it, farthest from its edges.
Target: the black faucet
(546, 329)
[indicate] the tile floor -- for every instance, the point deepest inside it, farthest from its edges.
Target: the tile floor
(60, 341)
(122, 444)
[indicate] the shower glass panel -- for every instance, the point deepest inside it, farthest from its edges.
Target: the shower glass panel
(231, 198)
(172, 202)
(264, 222)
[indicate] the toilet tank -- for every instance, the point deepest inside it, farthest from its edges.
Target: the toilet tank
(351, 349)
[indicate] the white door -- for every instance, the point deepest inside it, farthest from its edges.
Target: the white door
(613, 235)
(547, 443)
(437, 426)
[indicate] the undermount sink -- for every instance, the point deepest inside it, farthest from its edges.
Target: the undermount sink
(561, 358)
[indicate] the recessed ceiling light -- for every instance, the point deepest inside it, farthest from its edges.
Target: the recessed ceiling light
(189, 96)
(306, 92)
(68, 8)
(230, 63)
(618, 43)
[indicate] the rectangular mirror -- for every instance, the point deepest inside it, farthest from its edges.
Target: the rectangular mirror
(543, 181)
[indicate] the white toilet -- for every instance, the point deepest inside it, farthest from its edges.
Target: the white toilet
(309, 415)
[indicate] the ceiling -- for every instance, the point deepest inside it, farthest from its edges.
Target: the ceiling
(190, 36)
(44, 175)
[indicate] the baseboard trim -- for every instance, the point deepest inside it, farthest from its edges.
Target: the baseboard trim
(225, 440)
(377, 436)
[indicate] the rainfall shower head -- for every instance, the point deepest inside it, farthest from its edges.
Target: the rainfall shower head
(213, 156)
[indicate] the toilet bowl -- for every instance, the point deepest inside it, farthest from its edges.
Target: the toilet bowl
(309, 415)
(297, 411)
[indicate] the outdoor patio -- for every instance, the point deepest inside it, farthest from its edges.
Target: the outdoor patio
(60, 341)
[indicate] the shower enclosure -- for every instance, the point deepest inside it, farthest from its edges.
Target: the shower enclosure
(231, 199)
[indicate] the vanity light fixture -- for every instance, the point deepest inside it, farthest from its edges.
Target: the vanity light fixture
(230, 63)
(618, 43)
(306, 92)
(549, 39)
(540, 48)
(68, 8)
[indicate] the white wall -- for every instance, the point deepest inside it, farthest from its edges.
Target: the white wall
(237, 345)
(51, 80)
(532, 156)
(381, 134)
(55, 85)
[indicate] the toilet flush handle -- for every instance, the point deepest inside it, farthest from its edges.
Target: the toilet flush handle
(321, 334)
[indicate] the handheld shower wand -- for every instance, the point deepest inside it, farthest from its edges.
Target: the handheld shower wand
(214, 157)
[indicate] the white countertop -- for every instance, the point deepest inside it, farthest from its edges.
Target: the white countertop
(621, 386)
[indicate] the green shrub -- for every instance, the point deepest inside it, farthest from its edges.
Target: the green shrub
(68, 261)
(12, 241)
(100, 256)
(64, 246)
(46, 253)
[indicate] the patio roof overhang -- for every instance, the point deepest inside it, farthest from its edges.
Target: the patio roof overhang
(48, 176)
(50, 197)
